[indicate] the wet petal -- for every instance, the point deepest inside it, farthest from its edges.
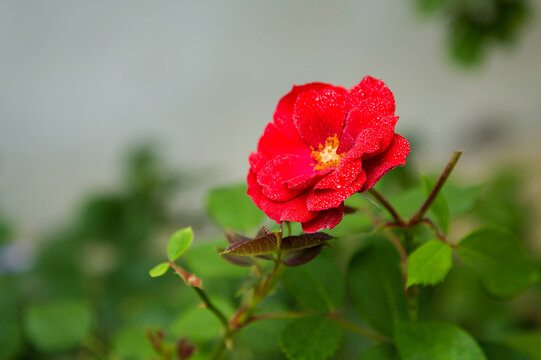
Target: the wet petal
(379, 165)
(324, 220)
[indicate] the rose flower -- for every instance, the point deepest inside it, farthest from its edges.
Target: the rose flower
(325, 144)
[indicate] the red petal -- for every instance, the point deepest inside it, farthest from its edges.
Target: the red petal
(325, 199)
(254, 189)
(283, 116)
(368, 143)
(381, 134)
(274, 175)
(307, 181)
(319, 115)
(379, 165)
(257, 160)
(325, 219)
(292, 210)
(373, 97)
(342, 176)
(282, 140)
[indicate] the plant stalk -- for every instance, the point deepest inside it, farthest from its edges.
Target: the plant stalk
(435, 191)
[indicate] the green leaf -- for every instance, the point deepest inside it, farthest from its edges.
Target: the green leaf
(435, 341)
(495, 351)
(230, 207)
(259, 246)
(131, 343)
(407, 202)
(528, 343)
(461, 200)
(318, 285)
(159, 269)
(380, 352)
(11, 342)
(504, 268)
(179, 243)
(57, 326)
(199, 324)
(375, 286)
(262, 337)
(310, 339)
(439, 207)
(429, 263)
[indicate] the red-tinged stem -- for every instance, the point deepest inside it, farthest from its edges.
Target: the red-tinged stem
(203, 296)
(435, 191)
(340, 321)
(403, 256)
(387, 205)
(359, 330)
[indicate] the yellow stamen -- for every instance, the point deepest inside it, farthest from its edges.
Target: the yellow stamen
(326, 155)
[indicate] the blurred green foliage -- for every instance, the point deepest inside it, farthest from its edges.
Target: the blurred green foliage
(474, 27)
(88, 294)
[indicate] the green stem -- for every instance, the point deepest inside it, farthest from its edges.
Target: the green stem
(243, 315)
(439, 184)
(219, 349)
(203, 296)
(210, 306)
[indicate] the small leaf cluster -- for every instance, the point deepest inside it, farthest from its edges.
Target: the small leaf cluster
(374, 287)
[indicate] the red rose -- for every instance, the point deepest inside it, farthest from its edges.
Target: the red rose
(325, 144)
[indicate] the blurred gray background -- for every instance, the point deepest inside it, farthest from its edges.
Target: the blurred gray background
(80, 81)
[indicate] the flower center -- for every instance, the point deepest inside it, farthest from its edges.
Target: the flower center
(326, 155)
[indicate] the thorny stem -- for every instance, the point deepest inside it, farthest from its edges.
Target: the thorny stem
(439, 184)
(203, 296)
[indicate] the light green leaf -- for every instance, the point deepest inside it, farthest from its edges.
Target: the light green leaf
(528, 342)
(435, 341)
(504, 268)
(318, 285)
(429, 263)
(461, 200)
(179, 243)
(311, 339)
(407, 202)
(231, 207)
(199, 324)
(57, 326)
(159, 269)
(131, 343)
(380, 352)
(375, 286)
(439, 207)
